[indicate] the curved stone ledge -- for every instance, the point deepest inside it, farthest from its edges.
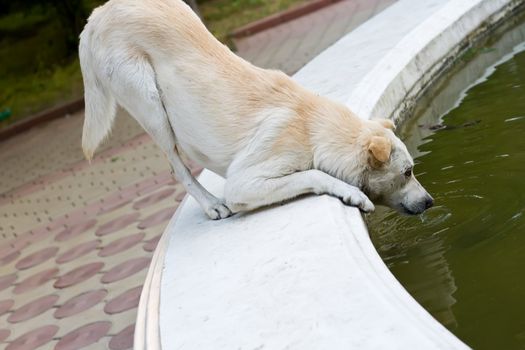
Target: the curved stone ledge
(305, 275)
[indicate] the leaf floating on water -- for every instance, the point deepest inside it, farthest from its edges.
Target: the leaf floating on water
(513, 119)
(440, 231)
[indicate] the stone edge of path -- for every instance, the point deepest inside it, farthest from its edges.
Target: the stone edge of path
(280, 18)
(40, 118)
(392, 87)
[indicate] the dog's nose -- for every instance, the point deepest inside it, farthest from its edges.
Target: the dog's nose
(429, 202)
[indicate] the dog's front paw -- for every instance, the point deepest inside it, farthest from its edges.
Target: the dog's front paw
(356, 198)
(218, 211)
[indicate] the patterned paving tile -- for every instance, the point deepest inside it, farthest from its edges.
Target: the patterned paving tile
(75, 230)
(33, 339)
(121, 244)
(162, 216)
(117, 224)
(4, 334)
(83, 336)
(35, 280)
(14, 247)
(78, 275)
(125, 269)
(6, 305)
(36, 258)
(123, 340)
(8, 258)
(78, 251)
(153, 198)
(151, 244)
(125, 301)
(114, 204)
(33, 309)
(80, 303)
(7, 281)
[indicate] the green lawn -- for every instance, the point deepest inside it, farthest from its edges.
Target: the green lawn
(223, 16)
(37, 72)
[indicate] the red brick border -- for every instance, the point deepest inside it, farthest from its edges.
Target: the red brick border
(280, 18)
(42, 117)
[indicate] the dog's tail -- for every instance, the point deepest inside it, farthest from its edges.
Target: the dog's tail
(100, 104)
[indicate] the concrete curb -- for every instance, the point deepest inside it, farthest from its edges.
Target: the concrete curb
(280, 18)
(147, 328)
(40, 118)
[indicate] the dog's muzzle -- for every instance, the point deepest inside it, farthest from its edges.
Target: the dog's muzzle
(419, 208)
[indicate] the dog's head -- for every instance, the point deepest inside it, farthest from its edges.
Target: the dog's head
(389, 178)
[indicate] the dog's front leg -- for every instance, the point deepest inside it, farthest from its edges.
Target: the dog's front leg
(250, 189)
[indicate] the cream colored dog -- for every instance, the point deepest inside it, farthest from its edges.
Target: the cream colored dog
(270, 138)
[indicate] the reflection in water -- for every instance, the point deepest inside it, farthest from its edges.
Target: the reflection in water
(463, 260)
(415, 256)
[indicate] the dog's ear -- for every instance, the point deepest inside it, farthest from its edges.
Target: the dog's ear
(386, 123)
(380, 148)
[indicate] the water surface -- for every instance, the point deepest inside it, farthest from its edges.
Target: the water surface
(464, 260)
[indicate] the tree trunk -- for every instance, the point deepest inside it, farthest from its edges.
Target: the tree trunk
(73, 17)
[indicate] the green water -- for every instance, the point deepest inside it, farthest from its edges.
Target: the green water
(464, 259)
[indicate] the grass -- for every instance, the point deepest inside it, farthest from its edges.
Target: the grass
(37, 73)
(22, 23)
(34, 65)
(33, 93)
(223, 16)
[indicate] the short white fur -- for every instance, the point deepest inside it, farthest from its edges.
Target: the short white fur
(270, 138)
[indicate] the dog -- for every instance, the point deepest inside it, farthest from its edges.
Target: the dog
(271, 139)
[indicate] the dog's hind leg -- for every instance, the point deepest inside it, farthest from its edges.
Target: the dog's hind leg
(135, 88)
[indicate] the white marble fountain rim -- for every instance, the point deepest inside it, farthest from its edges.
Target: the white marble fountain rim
(305, 275)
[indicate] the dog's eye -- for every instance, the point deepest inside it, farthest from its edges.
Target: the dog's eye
(408, 172)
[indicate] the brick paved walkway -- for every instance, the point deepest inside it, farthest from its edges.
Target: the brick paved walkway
(76, 239)
(290, 46)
